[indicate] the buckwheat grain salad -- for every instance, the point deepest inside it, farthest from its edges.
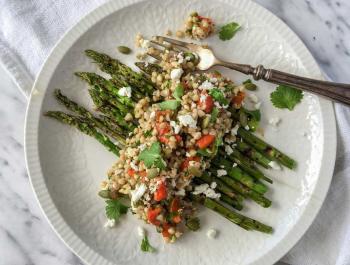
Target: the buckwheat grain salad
(174, 141)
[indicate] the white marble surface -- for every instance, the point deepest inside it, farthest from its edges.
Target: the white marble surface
(25, 235)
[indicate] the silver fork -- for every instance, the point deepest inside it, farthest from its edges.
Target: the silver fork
(207, 59)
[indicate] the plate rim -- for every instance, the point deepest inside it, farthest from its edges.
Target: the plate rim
(37, 181)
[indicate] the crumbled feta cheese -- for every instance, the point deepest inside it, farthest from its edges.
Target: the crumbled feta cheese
(180, 192)
(246, 127)
(125, 91)
(234, 165)
(188, 154)
(175, 126)
(187, 120)
(141, 231)
(217, 104)
(142, 147)
(176, 73)
(213, 185)
(213, 80)
(152, 115)
(228, 149)
(145, 44)
(138, 192)
(200, 189)
(275, 165)
(257, 105)
(210, 193)
(180, 57)
(206, 85)
(203, 98)
(234, 130)
(211, 233)
(133, 166)
(110, 223)
(253, 98)
(274, 121)
(221, 172)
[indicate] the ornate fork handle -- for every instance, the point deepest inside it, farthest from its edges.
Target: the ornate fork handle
(335, 91)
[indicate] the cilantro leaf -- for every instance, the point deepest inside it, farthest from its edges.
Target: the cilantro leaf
(169, 104)
(179, 92)
(204, 152)
(214, 115)
(219, 96)
(228, 31)
(146, 246)
(114, 209)
(147, 133)
(248, 81)
(286, 97)
(151, 156)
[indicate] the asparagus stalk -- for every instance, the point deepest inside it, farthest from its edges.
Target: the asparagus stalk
(101, 124)
(247, 165)
(149, 68)
(244, 190)
(233, 203)
(252, 153)
(83, 126)
(270, 151)
(236, 218)
(239, 175)
(116, 69)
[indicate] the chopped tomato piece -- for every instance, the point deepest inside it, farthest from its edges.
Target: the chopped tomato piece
(208, 104)
(163, 128)
(177, 219)
(161, 192)
(205, 141)
(152, 215)
(238, 99)
(131, 172)
(178, 138)
(175, 205)
(187, 161)
(165, 231)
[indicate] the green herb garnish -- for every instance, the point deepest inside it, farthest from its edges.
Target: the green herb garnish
(255, 114)
(286, 97)
(147, 133)
(219, 96)
(214, 114)
(248, 81)
(169, 104)
(179, 92)
(152, 157)
(146, 246)
(204, 152)
(228, 31)
(115, 209)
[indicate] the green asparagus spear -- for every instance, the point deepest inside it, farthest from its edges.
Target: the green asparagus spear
(268, 150)
(233, 203)
(84, 127)
(252, 153)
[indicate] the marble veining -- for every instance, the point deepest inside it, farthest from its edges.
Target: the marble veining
(25, 235)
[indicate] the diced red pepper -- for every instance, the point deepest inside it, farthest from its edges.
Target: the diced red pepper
(205, 141)
(175, 205)
(165, 231)
(161, 192)
(178, 138)
(187, 161)
(152, 215)
(238, 99)
(163, 139)
(176, 219)
(208, 104)
(131, 172)
(163, 128)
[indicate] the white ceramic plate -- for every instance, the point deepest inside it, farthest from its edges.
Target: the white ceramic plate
(66, 167)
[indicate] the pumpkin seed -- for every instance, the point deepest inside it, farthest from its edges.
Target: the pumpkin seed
(104, 194)
(250, 86)
(195, 171)
(152, 173)
(205, 122)
(124, 49)
(243, 119)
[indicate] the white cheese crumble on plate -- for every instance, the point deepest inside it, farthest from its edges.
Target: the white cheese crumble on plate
(141, 231)
(138, 192)
(125, 91)
(274, 121)
(187, 120)
(175, 126)
(274, 165)
(234, 130)
(110, 223)
(221, 172)
(176, 74)
(211, 233)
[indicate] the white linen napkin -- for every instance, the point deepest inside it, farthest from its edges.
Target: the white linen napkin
(28, 31)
